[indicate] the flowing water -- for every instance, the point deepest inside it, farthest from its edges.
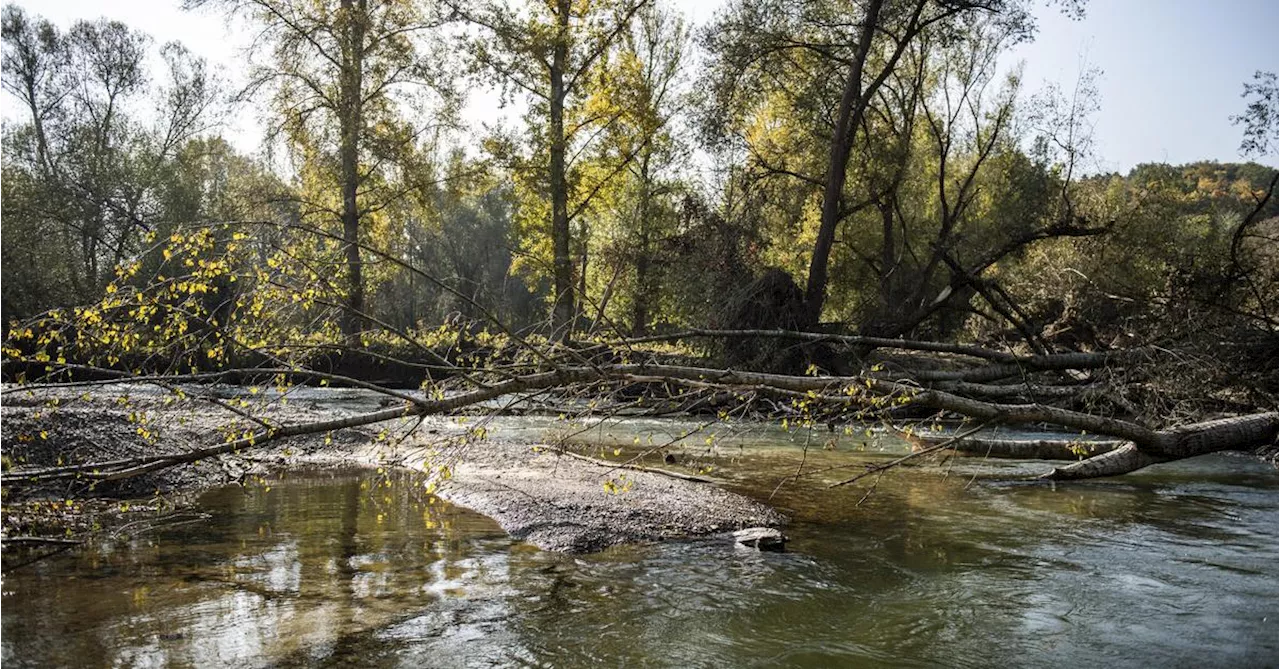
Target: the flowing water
(950, 565)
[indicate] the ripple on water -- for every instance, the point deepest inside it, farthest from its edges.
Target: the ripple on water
(928, 571)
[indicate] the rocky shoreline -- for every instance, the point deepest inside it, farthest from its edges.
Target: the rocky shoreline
(540, 496)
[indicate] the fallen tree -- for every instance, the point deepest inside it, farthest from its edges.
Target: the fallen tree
(851, 397)
(999, 446)
(170, 327)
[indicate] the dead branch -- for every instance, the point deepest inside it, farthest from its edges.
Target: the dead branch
(818, 337)
(623, 465)
(950, 443)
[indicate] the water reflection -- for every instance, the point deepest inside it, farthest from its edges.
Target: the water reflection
(274, 572)
(1177, 567)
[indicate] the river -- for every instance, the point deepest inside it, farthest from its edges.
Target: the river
(955, 565)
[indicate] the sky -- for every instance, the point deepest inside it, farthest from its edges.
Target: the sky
(1172, 73)
(1172, 70)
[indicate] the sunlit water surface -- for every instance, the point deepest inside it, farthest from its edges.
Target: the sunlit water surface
(941, 566)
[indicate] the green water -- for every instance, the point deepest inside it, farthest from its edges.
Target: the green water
(939, 566)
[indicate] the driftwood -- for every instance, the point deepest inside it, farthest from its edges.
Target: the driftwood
(1067, 447)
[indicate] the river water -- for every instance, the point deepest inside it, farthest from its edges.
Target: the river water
(952, 565)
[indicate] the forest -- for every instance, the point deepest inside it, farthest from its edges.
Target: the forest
(528, 327)
(793, 212)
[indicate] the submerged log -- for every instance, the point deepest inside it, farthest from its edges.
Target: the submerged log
(1065, 448)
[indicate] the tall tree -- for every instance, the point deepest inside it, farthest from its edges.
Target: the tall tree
(34, 53)
(643, 89)
(88, 165)
(552, 53)
(832, 68)
(340, 79)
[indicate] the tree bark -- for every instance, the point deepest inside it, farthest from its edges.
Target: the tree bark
(353, 13)
(1186, 441)
(640, 303)
(562, 311)
(1127, 458)
(847, 121)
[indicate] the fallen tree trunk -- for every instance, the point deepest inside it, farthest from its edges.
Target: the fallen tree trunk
(1127, 458)
(1238, 433)
(861, 341)
(858, 392)
(1065, 448)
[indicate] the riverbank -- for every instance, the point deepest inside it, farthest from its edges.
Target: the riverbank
(538, 495)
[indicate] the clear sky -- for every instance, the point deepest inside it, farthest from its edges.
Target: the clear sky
(1172, 70)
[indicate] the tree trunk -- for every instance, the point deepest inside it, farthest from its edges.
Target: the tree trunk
(1186, 441)
(353, 13)
(1123, 460)
(37, 125)
(837, 168)
(562, 311)
(581, 303)
(640, 304)
(1146, 447)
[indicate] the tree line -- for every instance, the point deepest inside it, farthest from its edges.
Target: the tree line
(885, 165)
